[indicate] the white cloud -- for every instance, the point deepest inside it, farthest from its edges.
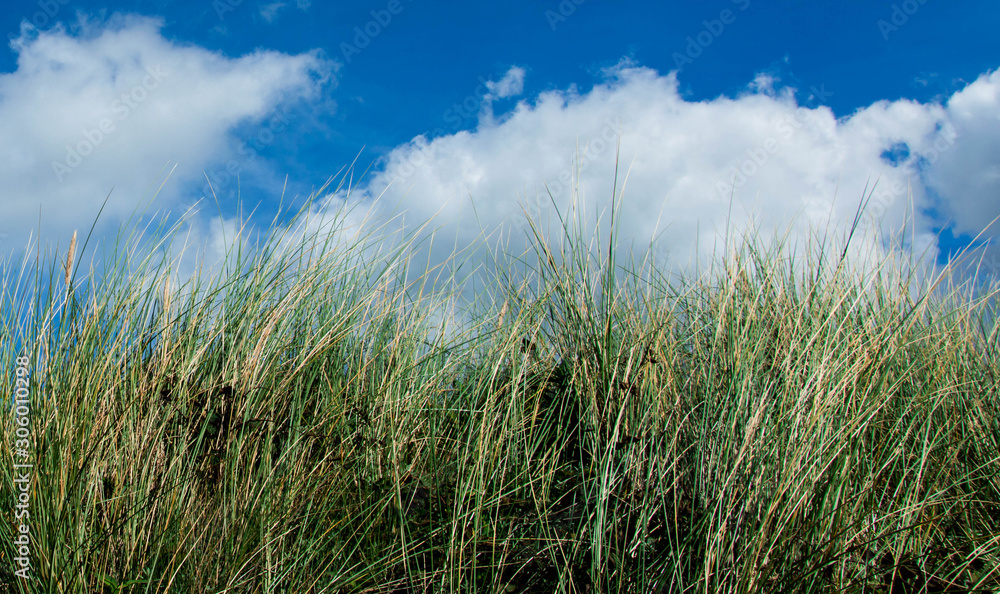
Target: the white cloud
(786, 166)
(783, 163)
(511, 85)
(967, 173)
(788, 163)
(270, 11)
(109, 104)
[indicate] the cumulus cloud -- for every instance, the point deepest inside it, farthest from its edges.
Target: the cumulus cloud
(692, 171)
(967, 173)
(111, 104)
(512, 84)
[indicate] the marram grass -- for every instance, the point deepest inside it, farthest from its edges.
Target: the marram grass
(293, 424)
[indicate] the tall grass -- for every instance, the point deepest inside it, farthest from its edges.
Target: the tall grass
(293, 423)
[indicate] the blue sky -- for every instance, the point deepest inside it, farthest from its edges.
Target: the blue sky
(810, 101)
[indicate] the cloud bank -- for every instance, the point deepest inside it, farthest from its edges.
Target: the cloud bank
(115, 105)
(112, 103)
(699, 169)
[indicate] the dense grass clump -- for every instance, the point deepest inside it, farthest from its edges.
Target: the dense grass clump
(293, 423)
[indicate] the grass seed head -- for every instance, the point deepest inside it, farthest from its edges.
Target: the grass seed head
(69, 258)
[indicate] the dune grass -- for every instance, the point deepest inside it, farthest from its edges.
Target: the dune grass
(293, 423)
